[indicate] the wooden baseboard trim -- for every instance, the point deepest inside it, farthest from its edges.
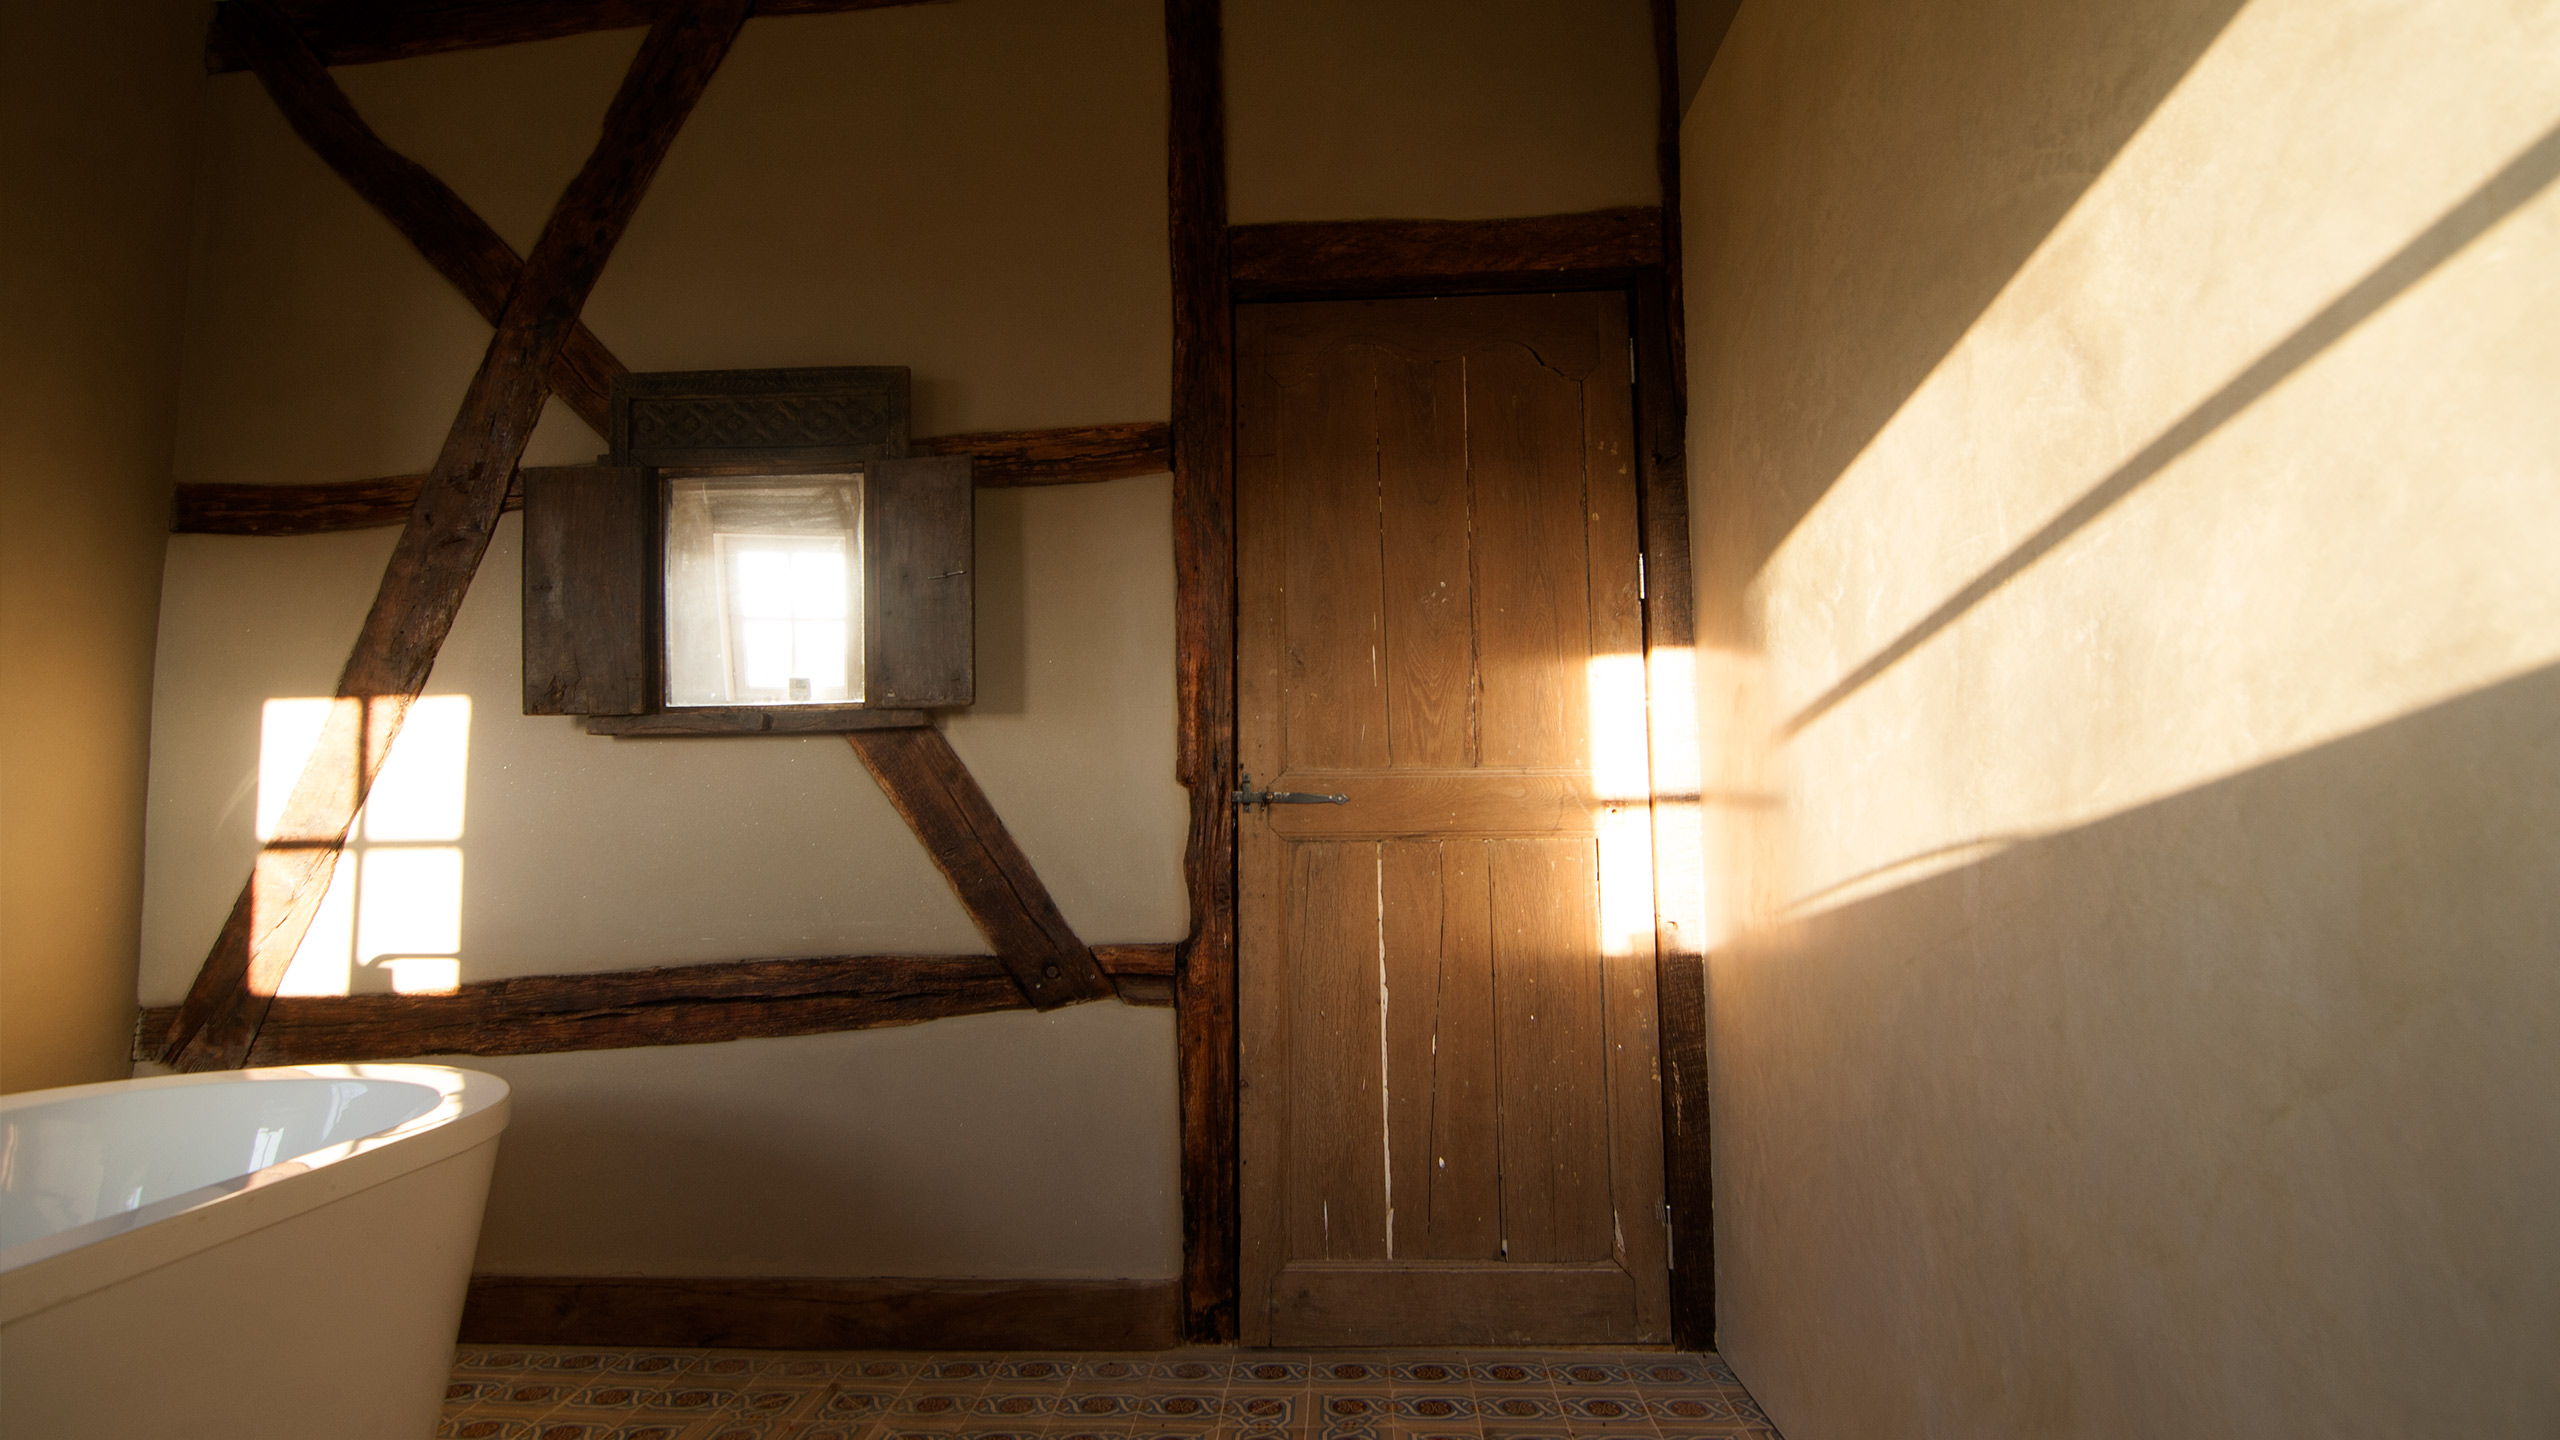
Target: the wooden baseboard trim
(823, 1314)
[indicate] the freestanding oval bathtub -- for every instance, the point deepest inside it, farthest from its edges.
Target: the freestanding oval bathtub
(273, 1253)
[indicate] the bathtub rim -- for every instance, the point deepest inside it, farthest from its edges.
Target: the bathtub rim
(474, 1110)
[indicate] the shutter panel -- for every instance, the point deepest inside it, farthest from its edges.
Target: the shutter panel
(590, 599)
(919, 582)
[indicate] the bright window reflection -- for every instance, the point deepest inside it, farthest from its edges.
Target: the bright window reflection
(392, 919)
(763, 586)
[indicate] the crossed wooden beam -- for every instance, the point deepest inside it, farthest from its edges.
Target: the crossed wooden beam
(539, 348)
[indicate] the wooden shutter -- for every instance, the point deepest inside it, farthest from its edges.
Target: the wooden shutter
(590, 599)
(919, 628)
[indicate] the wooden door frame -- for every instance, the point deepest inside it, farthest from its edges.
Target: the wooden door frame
(1632, 250)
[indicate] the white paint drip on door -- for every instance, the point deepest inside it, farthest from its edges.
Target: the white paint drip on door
(1386, 1122)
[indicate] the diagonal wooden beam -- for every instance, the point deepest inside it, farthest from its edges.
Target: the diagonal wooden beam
(453, 238)
(356, 32)
(924, 779)
(448, 532)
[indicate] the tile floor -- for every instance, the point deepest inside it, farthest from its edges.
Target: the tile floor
(529, 1393)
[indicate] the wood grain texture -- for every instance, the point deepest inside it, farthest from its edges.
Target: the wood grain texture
(925, 781)
(1064, 455)
(448, 233)
(660, 1005)
(1329, 259)
(589, 594)
(1067, 455)
(358, 32)
(1680, 984)
(626, 1009)
(1447, 1030)
(731, 419)
(759, 1313)
(919, 583)
(1458, 1304)
(447, 533)
(1204, 654)
(755, 720)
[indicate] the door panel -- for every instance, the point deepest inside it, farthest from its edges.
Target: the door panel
(1451, 1129)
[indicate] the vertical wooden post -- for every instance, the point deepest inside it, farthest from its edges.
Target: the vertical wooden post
(1680, 982)
(1204, 607)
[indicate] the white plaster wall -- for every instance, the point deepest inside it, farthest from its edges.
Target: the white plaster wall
(1439, 109)
(975, 191)
(2123, 459)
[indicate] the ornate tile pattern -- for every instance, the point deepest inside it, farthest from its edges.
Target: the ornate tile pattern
(538, 1393)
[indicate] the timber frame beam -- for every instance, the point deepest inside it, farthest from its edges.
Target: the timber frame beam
(356, 32)
(660, 1005)
(999, 459)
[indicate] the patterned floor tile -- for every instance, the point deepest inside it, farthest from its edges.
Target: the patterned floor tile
(571, 1393)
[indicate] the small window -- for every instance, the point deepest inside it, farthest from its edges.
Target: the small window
(764, 590)
(758, 555)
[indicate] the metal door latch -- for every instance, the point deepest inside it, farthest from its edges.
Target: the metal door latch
(1248, 797)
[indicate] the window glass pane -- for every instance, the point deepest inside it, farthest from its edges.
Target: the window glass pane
(763, 590)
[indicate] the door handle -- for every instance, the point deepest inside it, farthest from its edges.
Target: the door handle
(1248, 797)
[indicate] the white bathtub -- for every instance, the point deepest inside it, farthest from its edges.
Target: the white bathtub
(272, 1253)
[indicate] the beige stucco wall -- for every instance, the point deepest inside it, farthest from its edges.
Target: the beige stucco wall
(1447, 109)
(973, 190)
(976, 191)
(2124, 454)
(97, 126)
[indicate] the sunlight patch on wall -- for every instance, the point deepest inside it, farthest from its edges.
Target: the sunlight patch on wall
(392, 919)
(2364, 534)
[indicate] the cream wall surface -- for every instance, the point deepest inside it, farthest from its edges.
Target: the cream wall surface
(97, 140)
(976, 191)
(2124, 456)
(1440, 109)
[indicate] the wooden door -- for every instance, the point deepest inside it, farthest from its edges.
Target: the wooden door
(1451, 1120)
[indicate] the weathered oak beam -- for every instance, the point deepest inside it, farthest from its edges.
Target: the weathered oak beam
(447, 533)
(454, 239)
(1680, 977)
(1204, 657)
(1357, 258)
(925, 781)
(1066, 455)
(628, 1009)
(356, 32)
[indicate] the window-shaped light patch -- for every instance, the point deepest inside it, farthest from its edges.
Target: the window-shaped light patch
(392, 919)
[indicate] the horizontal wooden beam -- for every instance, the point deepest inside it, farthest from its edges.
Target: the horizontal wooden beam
(1337, 259)
(760, 1313)
(1066, 455)
(627, 1009)
(357, 32)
